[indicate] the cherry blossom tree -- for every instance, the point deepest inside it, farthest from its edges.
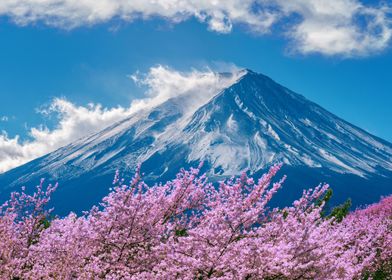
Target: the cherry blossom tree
(189, 228)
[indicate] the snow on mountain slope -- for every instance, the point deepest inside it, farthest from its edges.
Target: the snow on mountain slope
(250, 124)
(256, 122)
(247, 126)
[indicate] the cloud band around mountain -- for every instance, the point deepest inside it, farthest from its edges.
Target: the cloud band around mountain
(334, 27)
(75, 121)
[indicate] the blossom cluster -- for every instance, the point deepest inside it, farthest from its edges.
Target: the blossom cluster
(189, 228)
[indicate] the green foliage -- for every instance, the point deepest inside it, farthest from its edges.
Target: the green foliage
(378, 275)
(181, 232)
(42, 224)
(381, 275)
(340, 211)
(45, 222)
(325, 199)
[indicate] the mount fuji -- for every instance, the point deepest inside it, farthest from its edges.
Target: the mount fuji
(248, 126)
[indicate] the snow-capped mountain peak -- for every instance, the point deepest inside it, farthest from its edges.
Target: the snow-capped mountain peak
(247, 125)
(256, 122)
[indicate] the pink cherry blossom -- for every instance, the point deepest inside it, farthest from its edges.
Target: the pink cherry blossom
(189, 228)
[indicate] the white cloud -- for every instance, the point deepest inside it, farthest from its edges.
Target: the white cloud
(218, 14)
(329, 27)
(78, 121)
(164, 83)
(4, 118)
(74, 122)
(338, 27)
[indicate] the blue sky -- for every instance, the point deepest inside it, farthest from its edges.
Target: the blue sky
(44, 56)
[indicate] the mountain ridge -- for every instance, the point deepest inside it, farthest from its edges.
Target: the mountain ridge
(247, 126)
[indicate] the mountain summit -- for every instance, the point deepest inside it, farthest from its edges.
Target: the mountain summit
(248, 126)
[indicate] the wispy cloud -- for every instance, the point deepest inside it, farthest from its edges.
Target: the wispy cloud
(338, 27)
(4, 119)
(219, 15)
(333, 27)
(74, 122)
